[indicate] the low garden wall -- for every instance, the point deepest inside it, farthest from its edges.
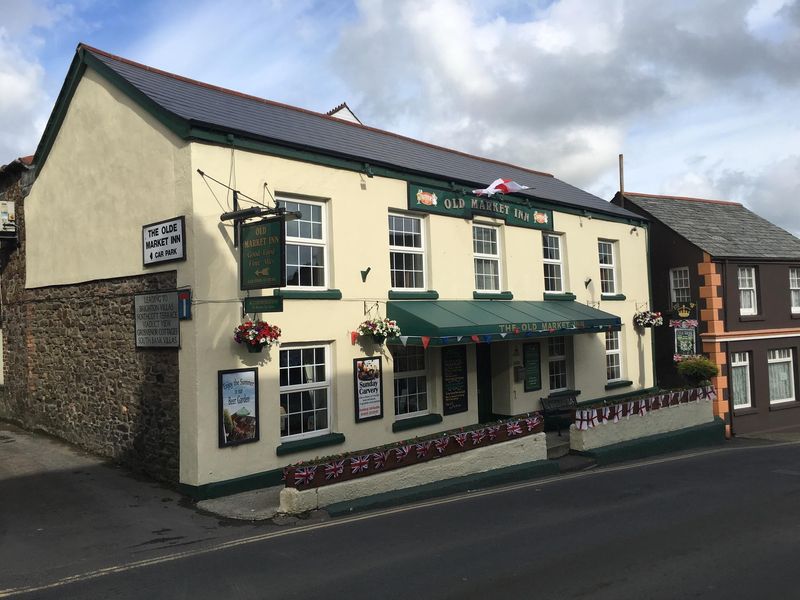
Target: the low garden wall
(600, 426)
(409, 464)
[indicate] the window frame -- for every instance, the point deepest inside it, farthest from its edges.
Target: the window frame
(612, 266)
(790, 360)
(673, 288)
(746, 312)
(614, 352)
(396, 375)
(421, 251)
(553, 262)
(739, 364)
(476, 256)
(288, 389)
(312, 242)
(558, 358)
(794, 286)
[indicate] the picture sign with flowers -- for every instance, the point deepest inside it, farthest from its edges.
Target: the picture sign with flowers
(368, 388)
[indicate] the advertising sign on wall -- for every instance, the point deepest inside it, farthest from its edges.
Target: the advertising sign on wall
(262, 259)
(531, 362)
(685, 341)
(164, 241)
(368, 388)
(454, 380)
(238, 406)
(156, 318)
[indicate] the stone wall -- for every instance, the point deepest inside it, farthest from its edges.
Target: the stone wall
(72, 369)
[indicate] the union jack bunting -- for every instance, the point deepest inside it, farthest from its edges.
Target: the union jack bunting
(532, 422)
(493, 431)
(581, 420)
(675, 399)
(380, 458)
(401, 452)
(655, 404)
(423, 448)
(460, 438)
(592, 417)
(334, 469)
(711, 393)
(285, 471)
(478, 436)
(604, 414)
(441, 443)
(304, 475)
(630, 408)
(616, 413)
(358, 464)
(513, 428)
(641, 408)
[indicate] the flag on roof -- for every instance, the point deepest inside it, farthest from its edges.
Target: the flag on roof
(504, 186)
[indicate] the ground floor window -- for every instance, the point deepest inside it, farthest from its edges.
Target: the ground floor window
(740, 379)
(557, 363)
(410, 381)
(304, 391)
(781, 375)
(613, 356)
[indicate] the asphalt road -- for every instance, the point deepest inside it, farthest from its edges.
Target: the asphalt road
(723, 523)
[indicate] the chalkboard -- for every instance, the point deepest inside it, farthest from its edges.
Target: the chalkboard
(454, 379)
(531, 362)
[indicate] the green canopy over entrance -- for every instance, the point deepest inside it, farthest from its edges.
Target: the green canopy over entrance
(445, 321)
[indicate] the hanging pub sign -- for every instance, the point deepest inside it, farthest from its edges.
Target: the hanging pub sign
(449, 203)
(684, 310)
(164, 241)
(156, 320)
(531, 362)
(368, 388)
(454, 380)
(263, 304)
(238, 406)
(262, 256)
(685, 341)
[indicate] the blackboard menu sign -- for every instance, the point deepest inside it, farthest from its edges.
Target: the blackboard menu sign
(454, 379)
(531, 362)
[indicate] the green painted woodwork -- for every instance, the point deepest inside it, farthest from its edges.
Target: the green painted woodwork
(309, 294)
(415, 422)
(233, 486)
(428, 295)
(492, 295)
(560, 297)
(618, 384)
(613, 297)
(319, 441)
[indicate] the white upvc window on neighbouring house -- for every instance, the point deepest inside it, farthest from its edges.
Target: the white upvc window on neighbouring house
(740, 379)
(410, 381)
(794, 288)
(748, 298)
(305, 391)
(306, 244)
(557, 365)
(486, 251)
(679, 284)
(780, 364)
(552, 257)
(608, 267)
(406, 253)
(613, 356)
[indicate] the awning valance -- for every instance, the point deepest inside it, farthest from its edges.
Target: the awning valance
(453, 321)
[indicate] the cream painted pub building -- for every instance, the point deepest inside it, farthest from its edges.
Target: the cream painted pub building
(501, 300)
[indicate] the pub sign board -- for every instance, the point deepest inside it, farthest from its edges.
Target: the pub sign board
(454, 380)
(368, 388)
(531, 362)
(263, 304)
(262, 254)
(156, 318)
(238, 406)
(449, 203)
(164, 241)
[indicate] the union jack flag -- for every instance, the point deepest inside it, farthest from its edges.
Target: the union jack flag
(616, 412)
(532, 422)
(401, 452)
(641, 408)
(493, 431)
(441, 443)
(423, 448)
(655, 403)
(304, 475)
(334, 469)
(581, 420)
(513, 428)
(460, 438)
(380, 458)
(359, 463)
(478, 436)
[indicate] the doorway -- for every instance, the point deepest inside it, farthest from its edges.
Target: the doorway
(483, 369)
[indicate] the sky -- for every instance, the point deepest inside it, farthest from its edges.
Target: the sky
(702, 98)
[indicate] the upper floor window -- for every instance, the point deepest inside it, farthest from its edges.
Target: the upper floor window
(406, 253)
(613, 356)
(305, 391)
(553, 263)
(306, 244)
(679, 284)
(410, 381)
(486, 250)
(557, 365)
(608, 266)
(794, 288)
(780, 367)
(748, 302)
(740, 379)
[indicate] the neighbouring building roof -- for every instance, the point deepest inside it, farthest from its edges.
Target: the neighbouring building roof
(200, 105)
(344, 112)
(723, 229)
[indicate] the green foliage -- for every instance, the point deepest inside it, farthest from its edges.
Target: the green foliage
(697, 369)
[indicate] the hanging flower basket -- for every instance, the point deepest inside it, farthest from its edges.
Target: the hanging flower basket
(255, 335)
(379, 329)
(647, 318)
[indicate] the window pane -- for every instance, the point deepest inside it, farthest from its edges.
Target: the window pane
(304, 408)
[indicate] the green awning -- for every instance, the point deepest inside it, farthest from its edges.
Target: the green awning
(445, 321)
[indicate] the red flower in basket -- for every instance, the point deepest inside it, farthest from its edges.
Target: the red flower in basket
(256, 334)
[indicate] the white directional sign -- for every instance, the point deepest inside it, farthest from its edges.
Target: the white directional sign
(164, 241)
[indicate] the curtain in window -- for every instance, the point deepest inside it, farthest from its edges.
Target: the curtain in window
(780, 384)
(739, 385)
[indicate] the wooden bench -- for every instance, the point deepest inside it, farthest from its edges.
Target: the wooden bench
(559, 409)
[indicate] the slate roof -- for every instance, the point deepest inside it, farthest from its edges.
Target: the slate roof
(723, 229)
(232, 112)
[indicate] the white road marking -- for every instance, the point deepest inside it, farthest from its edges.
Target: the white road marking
(122, 568)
